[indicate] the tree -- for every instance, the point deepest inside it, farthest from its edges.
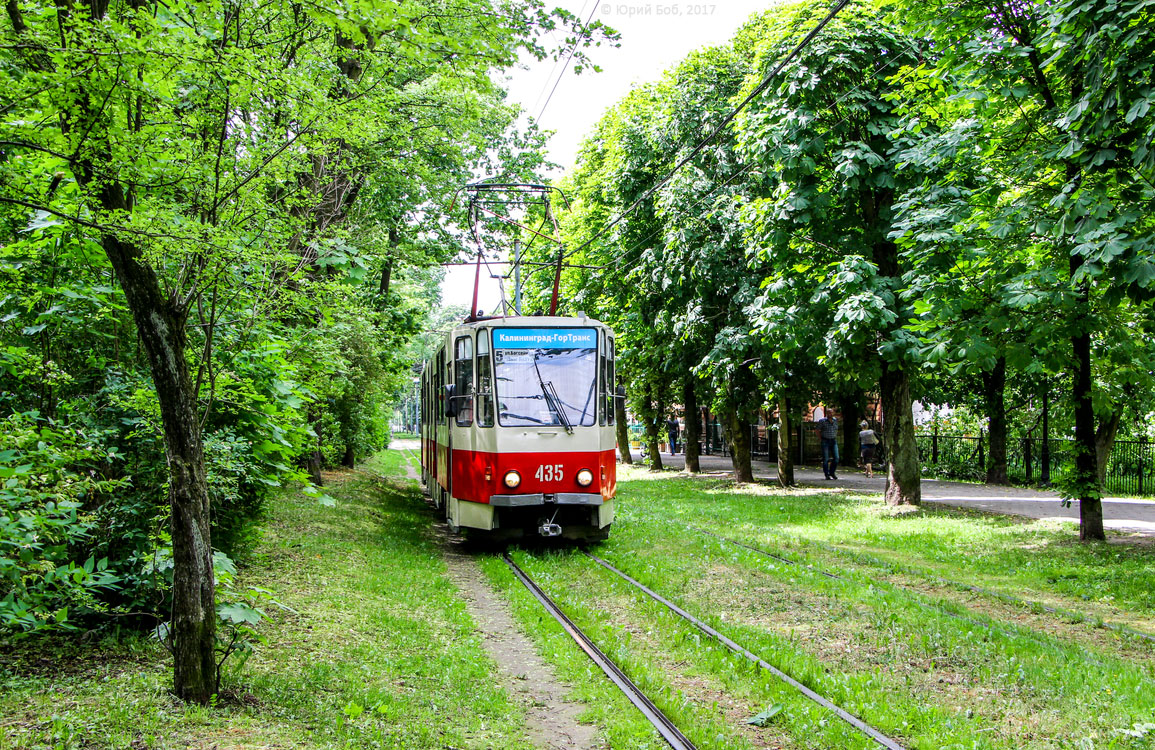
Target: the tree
(821, 215)
(211, 148)
(1059, 99)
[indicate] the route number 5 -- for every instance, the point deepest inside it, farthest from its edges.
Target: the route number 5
(549, 473)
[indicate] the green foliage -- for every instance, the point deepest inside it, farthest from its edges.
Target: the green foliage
(49, 475)
(268, 170)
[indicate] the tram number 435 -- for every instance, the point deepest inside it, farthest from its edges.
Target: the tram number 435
(549, 472)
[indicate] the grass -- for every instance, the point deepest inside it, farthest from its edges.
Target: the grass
(913, 670)
(379, 650)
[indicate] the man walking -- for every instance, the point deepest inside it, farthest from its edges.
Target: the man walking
(828, 433)
(672, 431)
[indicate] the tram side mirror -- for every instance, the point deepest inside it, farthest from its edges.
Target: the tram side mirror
(620, 392)
(451, 400)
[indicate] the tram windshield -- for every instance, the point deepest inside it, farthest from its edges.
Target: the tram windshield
(546, 376)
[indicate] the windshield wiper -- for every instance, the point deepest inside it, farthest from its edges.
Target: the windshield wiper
(551, 398)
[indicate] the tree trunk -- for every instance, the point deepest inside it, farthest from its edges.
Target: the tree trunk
(1104, 442)
(1085, 483)
(622, 429)
(349, 460)
(851, 413)
(785, 459)
(693, 425)
(994, 385)
(903, 486)
(650, 418)
(652, 445)
(161, 327)
(738, 436)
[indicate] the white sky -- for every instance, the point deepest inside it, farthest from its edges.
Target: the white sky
(655, 36)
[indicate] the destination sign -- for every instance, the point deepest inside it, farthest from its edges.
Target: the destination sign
(545, 338)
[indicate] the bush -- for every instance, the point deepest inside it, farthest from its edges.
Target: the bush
(49, 473)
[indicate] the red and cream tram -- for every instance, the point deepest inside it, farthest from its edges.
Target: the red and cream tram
(517, 427)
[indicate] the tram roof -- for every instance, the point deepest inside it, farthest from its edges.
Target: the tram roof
(534, 321)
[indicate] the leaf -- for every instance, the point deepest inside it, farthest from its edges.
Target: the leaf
(33, 330)
(42, 220)
(238, 613)
(764, 718)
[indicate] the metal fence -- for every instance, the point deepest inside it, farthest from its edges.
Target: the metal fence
(1130, 467)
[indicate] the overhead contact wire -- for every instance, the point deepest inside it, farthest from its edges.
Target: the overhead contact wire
(725, 121)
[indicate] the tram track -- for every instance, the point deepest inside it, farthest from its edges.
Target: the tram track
(665, 727)
(879, 738)
(662, 724)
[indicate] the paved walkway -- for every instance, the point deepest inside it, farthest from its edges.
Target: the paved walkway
(1118, 513)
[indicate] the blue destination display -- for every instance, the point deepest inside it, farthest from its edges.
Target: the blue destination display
(545, 338)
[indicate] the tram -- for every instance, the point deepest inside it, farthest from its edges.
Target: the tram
(517, 427)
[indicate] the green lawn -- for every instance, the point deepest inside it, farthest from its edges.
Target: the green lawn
(934, 665)
(378, 650)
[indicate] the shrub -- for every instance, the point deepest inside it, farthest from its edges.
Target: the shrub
(49, 473)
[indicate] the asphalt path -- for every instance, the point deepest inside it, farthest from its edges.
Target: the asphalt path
(1125, 514)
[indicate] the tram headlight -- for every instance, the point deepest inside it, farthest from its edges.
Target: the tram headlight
(512, 479)
(585, 477)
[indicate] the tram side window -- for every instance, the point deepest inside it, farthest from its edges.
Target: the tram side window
(463, 355)
(484, 380)
(438, 389)
(603, 384)
(610, 381)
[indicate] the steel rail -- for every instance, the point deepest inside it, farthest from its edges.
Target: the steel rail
(843, 714)
(669, 731)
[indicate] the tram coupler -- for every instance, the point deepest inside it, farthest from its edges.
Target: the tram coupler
(549, 529)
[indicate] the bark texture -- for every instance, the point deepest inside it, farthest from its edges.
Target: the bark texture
(738, 436)
(1105, 441)
(994, 386)
(785, 458)
(649, 415)
(693, 433)
(622, 429)
(161, 328)
(1086, 479)
(903, 484)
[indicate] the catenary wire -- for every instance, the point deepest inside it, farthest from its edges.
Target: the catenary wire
(565, 66)
(725, 121)
(622, 253)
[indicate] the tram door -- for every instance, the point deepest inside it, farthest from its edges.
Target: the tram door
(444, 471)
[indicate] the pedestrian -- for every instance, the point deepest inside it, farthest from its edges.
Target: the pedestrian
(672, 431)
(828, 434)
(867, 441)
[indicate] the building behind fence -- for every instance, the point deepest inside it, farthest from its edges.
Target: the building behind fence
(1031, 461)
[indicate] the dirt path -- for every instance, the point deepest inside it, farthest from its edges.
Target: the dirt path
(551, 719)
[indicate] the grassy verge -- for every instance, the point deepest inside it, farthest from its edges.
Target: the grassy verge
(922, 672)
(934, 666)
(1036, 559)
(378, 651)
